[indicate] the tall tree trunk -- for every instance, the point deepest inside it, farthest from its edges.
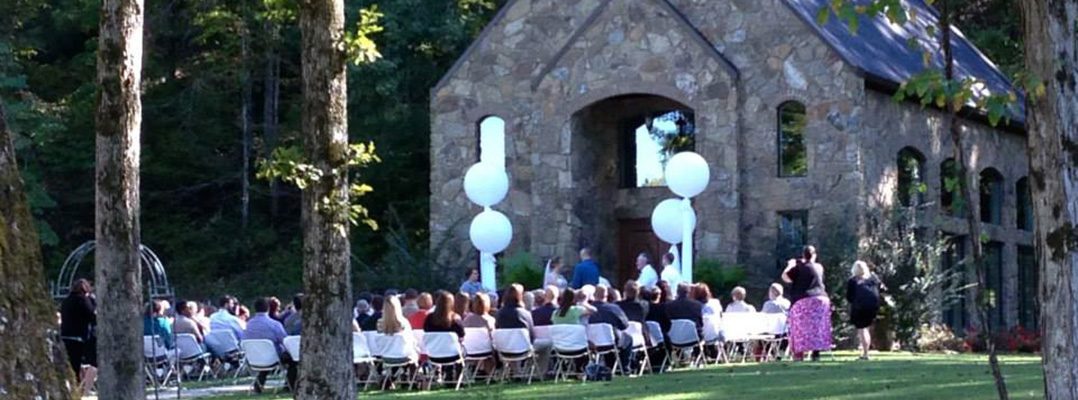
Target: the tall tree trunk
(326, 371)
(270, 101)
(34, 364)
(968, 192)
(118, 273)
(245, 117)
(1051, 38)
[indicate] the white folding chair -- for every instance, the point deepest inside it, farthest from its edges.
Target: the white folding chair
(375, 343)
(742, 332)
(291, 345)
(657, 342)
(685, 341)
(775, 327)
(639, 346)
(603, 342)
(261, 356)
(418, 335)
(542, 336)
(478, 349)
(515, 346)
(191, 354)
(160, 363)
(399, 354)
(712, 332)
(225, 347)
(570, 343)
(443, 350)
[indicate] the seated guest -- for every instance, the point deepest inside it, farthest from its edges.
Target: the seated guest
(202, 311)
(155, 323)
(371, 322)
(275, 309)
(685, 307)
(777, 304)
(571, 311)
(612, 295)
(471, 285)
(541, 316)
(609, 313)
(362, 311)
(512, 315)
(392, 321)
(443, 319)
(529, 301)
(702, 293)
(480, 316)
(739, 304)
(243, 314)
(185, 322)
(656, 310)
(261, 326)
(225, 319)
(462, 304)
(632, 306)
(424, 302)
(410, 303)
(293, 325)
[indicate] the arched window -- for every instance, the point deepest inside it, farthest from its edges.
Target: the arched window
(1024, 204)
(492, 140)
(991, 184)
(793, 159)
(911, 183)
(950, 190)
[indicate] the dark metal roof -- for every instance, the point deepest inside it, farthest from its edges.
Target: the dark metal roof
(881, 50)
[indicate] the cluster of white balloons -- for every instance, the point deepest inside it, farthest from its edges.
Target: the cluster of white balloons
(674, 220)
(487, 184)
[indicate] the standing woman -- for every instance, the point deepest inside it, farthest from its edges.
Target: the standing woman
(810, 314)
(78, 316)
(552, 274)
(863, 294)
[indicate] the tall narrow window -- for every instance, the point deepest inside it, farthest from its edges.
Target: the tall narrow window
(793, 159)
(1028, 280)
(1024, 205)
(993, 263)
(954, 312)
(950, 188)
(492, 140)
(991, 184)
(793, 230)
(911, 185)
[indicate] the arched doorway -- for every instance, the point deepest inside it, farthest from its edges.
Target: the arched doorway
(154, 279)
(619, 150)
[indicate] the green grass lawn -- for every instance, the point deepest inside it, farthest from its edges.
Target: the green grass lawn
(887, 376)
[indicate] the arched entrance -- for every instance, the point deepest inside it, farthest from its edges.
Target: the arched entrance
(154, 279)
(619, 150)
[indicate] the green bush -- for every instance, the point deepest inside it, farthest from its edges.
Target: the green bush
(719, 277)
(522, 268)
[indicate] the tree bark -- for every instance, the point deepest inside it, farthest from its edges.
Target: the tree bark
(116, 257)
(34, 364)
(245, 118)
(326, 371)
(1052, 123)
(270, 101)
(968, 192)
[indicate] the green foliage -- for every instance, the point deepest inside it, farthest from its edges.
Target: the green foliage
(719, 277)
(359, 44)
(521, 267)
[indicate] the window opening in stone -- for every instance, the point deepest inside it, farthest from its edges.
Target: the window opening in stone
(950, 190)
(1028, 279)
(793, 158)
(659, 138)
(993, 261)
(991, 184)
(911, 185)
(1024, 205)
(954, 313)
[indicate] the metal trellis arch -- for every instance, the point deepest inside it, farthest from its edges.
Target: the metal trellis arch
(154, 278)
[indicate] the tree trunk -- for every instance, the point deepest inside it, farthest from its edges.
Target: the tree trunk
(245, 118)
(270, 101)
(116, 257)
(326, 371)
(968, 192)
(1052, 122)
(34, 364)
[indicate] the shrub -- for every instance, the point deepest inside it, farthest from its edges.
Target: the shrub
(520, 267)
(938, 337)
(1014, 340)
(719, 277)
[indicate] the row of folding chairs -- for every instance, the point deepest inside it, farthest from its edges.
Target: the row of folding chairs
(189, 358)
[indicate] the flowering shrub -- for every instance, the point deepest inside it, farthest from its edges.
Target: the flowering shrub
(1017, 339)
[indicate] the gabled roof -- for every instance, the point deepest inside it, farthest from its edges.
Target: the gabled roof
(880, 50)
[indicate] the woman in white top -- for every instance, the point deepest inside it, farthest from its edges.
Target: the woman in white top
(739, 304)
(702, 292)
(552, 274)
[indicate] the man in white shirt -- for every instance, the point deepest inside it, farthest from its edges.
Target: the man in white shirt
(671, 274)
(648, 277)
(223, 319)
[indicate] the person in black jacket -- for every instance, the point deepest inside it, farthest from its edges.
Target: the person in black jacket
(512, 315)
(541, 316)
(863, 294)
(78, 317)
(685, 307)
(634, 308)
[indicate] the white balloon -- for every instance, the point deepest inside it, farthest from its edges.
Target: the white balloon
(491, 231)
(666, 220)
(486, 184)
(687, 174)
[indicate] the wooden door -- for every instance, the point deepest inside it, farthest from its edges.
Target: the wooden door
(635, 236)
